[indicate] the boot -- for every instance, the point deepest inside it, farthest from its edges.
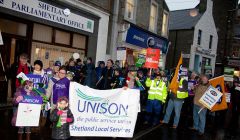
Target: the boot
(20, 136)
(28, 135)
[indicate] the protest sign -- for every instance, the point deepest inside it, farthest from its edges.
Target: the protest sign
(228, 97)
(107, 113)
(36, 79)
(23, 76)
(228, 74)
(152, 58)
(218, 83)
(176, 78)
(121, 53)
(210, 97)
(29, 111)
(140, 60)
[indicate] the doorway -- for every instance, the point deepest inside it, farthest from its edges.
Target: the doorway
(10, 50)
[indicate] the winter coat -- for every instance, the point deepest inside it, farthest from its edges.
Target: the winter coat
(235, 99)
(90, 80)
(63, 131)
(107, 77)
(199, 91)
(118, 81)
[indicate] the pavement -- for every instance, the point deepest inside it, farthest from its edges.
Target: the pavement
(214, 131)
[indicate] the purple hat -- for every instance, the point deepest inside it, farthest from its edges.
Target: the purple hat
(57, 63)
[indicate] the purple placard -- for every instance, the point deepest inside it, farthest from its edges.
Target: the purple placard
(32, 99)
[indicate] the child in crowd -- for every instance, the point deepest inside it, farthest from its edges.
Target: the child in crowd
(61, 118)
(19, 96)
(118, 80)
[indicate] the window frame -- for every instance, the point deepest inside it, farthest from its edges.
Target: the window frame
(133, 20)
(167, 25)
(210, 42)
(153, 2)
(199, 37)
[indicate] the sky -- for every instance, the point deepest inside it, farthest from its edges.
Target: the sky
(181, 4)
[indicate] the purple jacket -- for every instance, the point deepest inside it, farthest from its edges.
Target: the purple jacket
(19, 92)
(60, 89)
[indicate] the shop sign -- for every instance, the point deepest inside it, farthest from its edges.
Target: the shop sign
(121, 53)
(208, 69)
(152, 58)
(228, 74)
(49, 12)
(235, 63)
(143, 39)
(204, 51)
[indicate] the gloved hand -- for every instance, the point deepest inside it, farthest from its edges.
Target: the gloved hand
(19, 98)
(69, 120)
(60, 112)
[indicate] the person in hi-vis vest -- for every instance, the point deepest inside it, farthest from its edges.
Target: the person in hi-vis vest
(157, 95)
(176, 101)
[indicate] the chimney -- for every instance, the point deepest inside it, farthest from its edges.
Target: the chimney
(205, 5)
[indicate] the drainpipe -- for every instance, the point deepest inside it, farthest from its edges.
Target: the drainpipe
(114, 32)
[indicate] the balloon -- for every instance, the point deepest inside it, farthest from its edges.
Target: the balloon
(76, 55)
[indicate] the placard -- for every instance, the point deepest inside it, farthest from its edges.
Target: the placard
(29, 111)
(210, 97)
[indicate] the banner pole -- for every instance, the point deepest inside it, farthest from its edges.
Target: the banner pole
(5, 77)
(99, 80)
(200, 110)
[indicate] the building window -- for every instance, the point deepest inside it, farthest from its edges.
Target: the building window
(130, 10)
(199, 37)
(153, 17)
(12, 27)
(210, 42)
(42, 33)
(62, 37)
(79, 41)
(165, 24)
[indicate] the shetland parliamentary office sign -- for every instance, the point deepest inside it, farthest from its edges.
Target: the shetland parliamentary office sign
(49, 12)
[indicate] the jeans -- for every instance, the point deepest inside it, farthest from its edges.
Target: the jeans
(154, 107)
(177, 105)
(21, 130)
(199, 119)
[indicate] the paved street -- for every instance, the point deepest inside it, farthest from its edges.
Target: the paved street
(143, 132)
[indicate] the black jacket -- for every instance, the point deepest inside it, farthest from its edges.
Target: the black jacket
(63, 131)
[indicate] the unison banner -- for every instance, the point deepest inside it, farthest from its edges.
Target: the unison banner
(107, 113)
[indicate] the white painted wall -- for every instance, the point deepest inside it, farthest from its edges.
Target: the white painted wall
(207, 25)
(102, 30)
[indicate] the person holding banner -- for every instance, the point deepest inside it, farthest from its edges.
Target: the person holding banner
(60, 87)
(157, 95)
(118, 80)
(19, 96)
(21, 66)
(199, 111)
(107, 75)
